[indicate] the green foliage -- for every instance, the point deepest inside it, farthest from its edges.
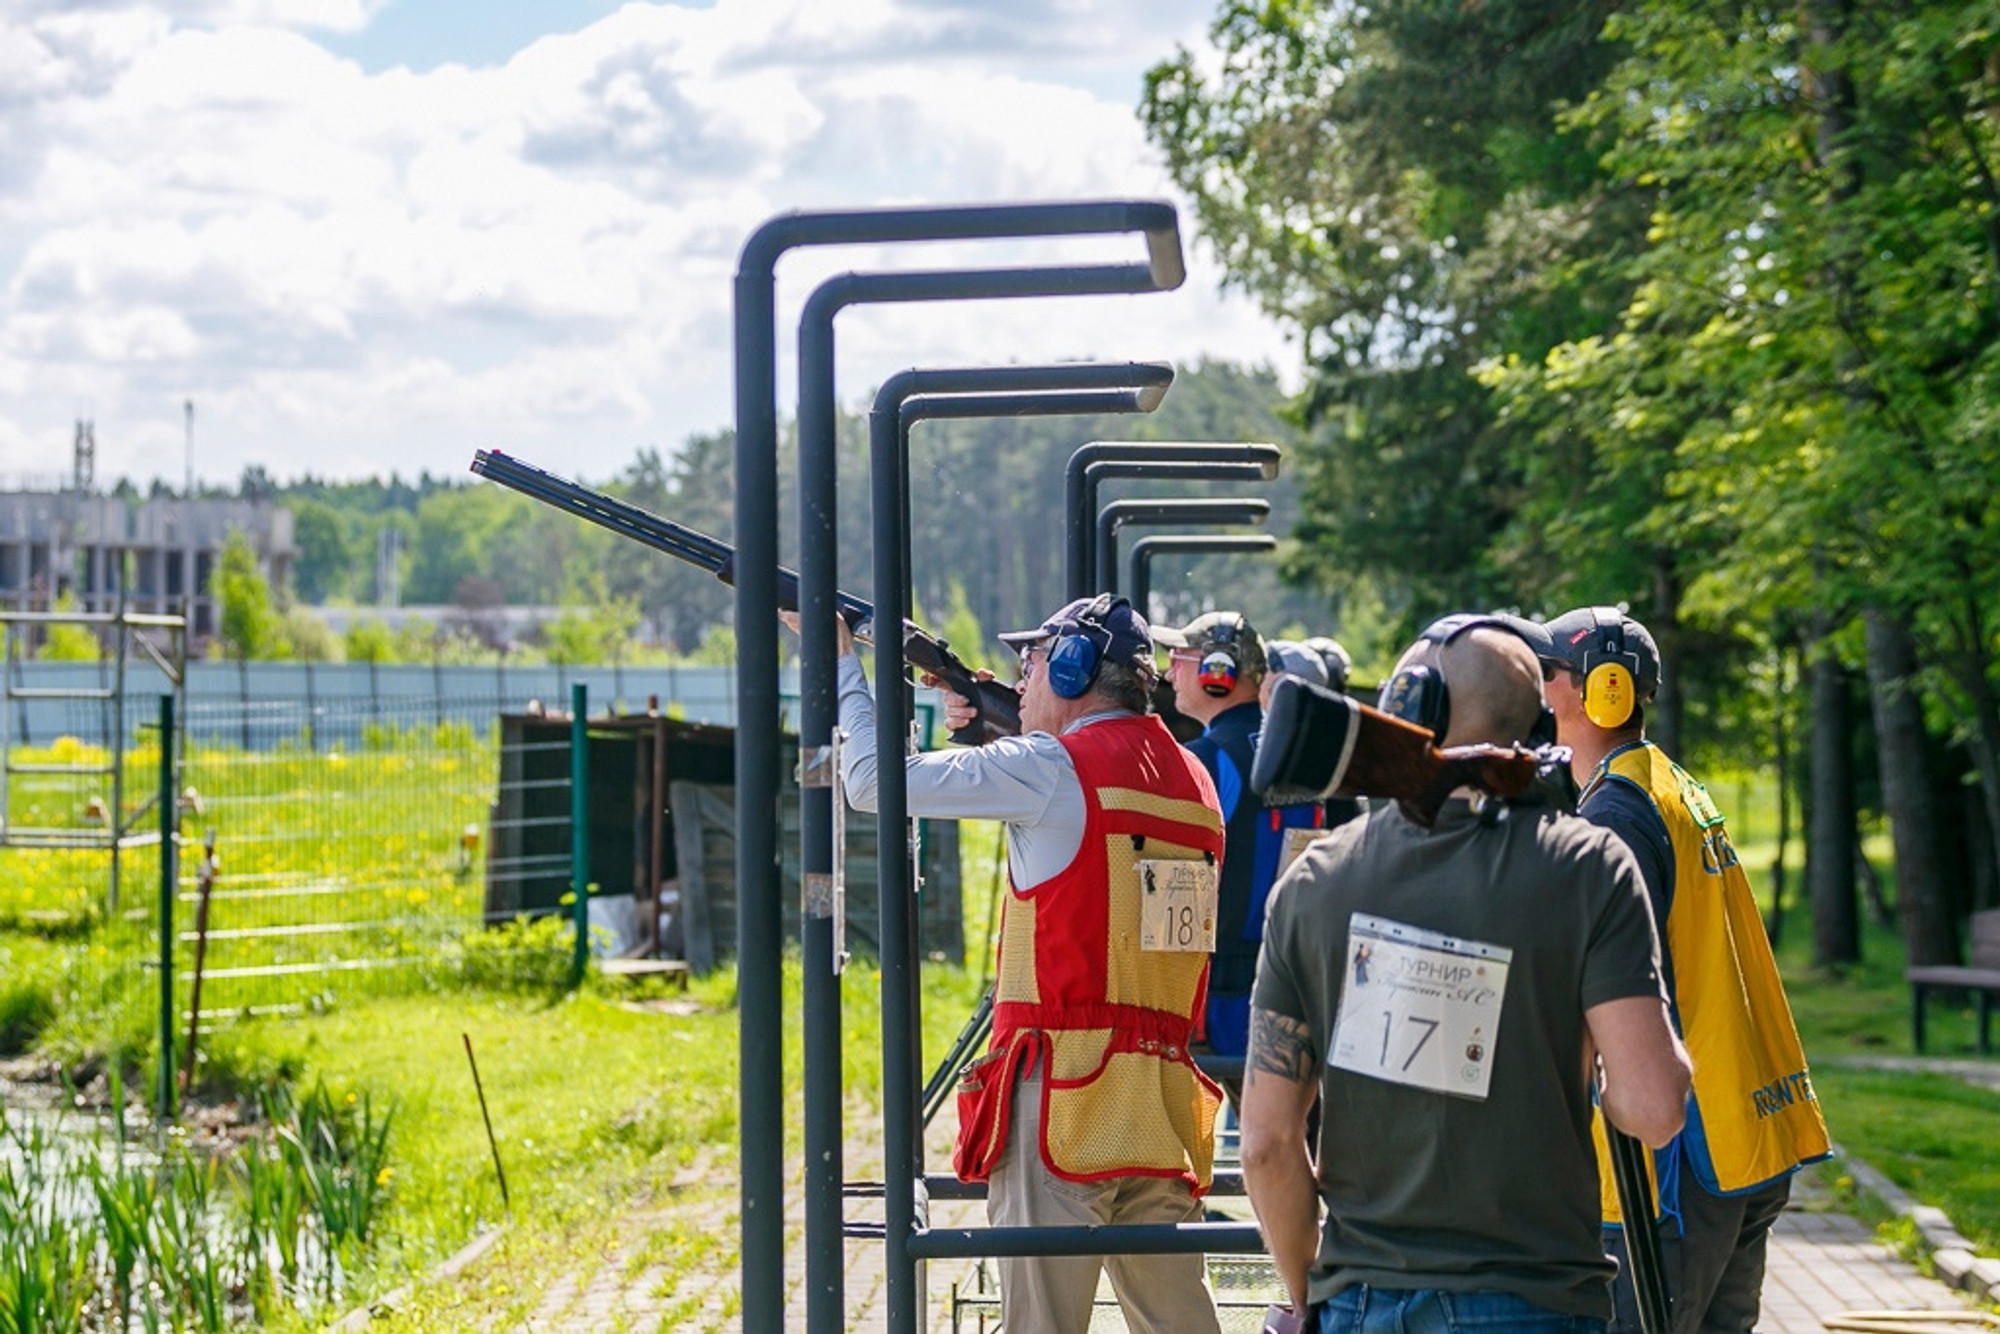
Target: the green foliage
(717, 647)
(68, 643)
(368, 640)
(324, 566)
(307, 638)
(594, 626)
(530, 954)
(27, 1004)
(251, 627)
(1393, 182)
(92, 1232)
(962, 631)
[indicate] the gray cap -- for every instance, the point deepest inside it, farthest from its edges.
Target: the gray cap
(1127, 640)
(1285, 658)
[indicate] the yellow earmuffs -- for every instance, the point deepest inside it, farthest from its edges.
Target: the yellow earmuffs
(1610, 671)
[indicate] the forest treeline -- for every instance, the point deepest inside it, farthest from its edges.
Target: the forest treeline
(987, 527)
(1688, 304)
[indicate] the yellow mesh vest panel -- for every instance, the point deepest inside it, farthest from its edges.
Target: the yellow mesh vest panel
(1016, 979)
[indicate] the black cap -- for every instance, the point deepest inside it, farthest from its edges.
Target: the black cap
(1131, 643)
(1592, 630)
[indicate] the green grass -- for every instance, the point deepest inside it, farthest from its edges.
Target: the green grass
(607, 1102)
(1931, 1134)
(367, 837)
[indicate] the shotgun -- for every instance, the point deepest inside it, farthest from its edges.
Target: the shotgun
(1319, 743)
(999, 708)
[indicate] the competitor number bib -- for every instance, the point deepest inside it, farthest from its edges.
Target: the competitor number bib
(1177, 903)
(1419, 1008)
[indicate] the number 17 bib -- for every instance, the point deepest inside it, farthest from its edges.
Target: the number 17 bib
(1419, 1008)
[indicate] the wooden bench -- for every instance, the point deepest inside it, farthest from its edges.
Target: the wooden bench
(1981, 976)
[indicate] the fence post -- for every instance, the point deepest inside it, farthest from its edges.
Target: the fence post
(243, 696)
(169, 819)
(579, 825)
(312, 711)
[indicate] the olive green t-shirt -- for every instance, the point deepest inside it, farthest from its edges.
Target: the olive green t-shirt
(1437, 1189)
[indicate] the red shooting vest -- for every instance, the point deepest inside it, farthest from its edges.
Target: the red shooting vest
(1110, 1022)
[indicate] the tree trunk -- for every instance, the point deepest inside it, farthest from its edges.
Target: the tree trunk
(1781, 745)
(1830, 823)
(1985, 748)
(1663, 719)
(1900, 741)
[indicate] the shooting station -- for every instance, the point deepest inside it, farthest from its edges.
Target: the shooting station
(796, 862)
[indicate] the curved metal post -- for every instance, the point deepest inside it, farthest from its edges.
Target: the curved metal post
(1080, 487)
(1140, 578)
(905, 398)
(818, 709)
(1174, 512)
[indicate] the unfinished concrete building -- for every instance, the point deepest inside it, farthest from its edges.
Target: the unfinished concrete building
(74, 541)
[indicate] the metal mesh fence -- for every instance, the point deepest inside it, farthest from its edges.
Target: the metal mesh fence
(348, 841)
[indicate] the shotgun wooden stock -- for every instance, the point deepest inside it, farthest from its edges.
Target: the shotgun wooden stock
(1318, 743)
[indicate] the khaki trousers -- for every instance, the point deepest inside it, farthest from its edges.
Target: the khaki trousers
(1159, 1294)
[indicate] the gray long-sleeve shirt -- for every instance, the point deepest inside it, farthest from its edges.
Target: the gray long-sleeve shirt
(1026, 782)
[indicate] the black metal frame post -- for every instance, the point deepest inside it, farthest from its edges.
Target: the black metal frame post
(759, 917)
(1139, 561)
(825, 1169)
(818, 708)
(903, 400)
(1093, 463)
(1176, 512)
(909, 1237)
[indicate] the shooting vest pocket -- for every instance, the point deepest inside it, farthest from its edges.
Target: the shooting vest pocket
(1136, 1107)
(985, 1108)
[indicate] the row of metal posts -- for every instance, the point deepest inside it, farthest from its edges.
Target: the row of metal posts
(757, 738)
(757, 742)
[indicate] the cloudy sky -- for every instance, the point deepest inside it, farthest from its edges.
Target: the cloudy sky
(370, 236)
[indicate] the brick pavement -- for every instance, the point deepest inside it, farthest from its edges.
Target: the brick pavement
(674, 1269)
(1823, 1263)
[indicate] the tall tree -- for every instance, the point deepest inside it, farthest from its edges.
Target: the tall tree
(250, 624)
(1813, 317)
(1394, 181)
(1921, 900)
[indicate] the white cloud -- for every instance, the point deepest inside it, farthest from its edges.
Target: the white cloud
(353, 272)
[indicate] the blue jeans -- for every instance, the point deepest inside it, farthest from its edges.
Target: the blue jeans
(1365, 1310)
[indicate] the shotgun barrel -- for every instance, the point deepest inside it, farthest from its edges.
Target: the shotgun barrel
(999, 708)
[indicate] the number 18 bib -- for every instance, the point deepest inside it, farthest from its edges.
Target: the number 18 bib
(1419, 1008)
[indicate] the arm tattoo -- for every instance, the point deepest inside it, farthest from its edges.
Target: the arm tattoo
(1280, 1045)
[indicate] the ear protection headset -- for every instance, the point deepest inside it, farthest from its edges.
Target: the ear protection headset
(1222, 659)
(1610, 671)
(1077, 653)
(1418, 693)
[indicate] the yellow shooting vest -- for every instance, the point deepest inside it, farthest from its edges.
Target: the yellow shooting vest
(1753, 1116)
